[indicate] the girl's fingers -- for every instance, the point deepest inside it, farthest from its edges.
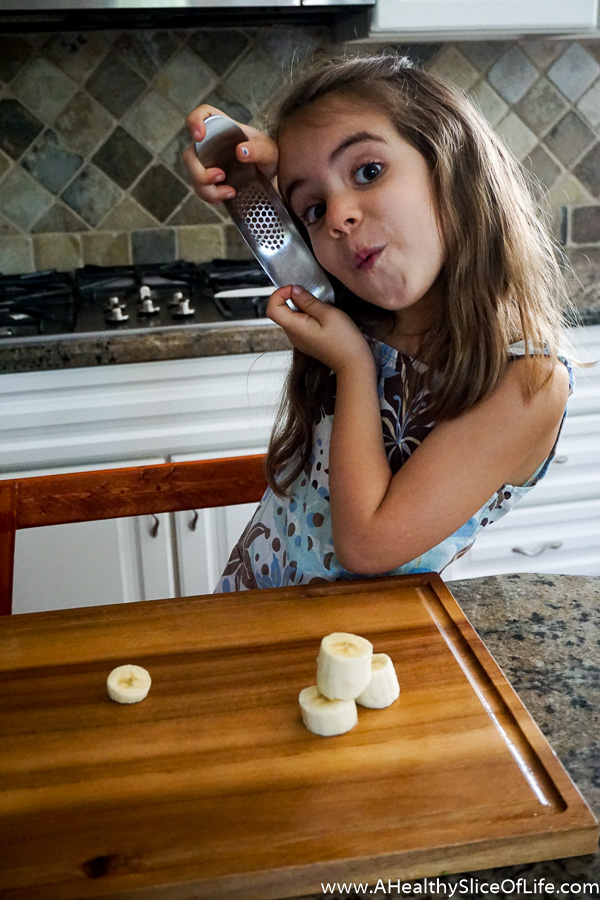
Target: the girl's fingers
(208, 184)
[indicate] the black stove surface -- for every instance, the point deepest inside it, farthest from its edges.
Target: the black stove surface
(121, 298)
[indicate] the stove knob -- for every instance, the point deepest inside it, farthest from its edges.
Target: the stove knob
(148, 307)
(145, 292)
(114, 303)
(176, 299)
(183, 309)
(116, 314)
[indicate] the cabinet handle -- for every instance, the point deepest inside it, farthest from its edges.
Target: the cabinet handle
(194, 521)
(559, 460)
(549, 545)
(155, 526)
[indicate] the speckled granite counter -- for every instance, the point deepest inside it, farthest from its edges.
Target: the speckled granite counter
(544, 632)
(71, 351)
(36, 354)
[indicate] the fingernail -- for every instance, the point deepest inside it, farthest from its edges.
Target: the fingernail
(197, 136)
(219, 178)
(227, 195)
(296, 289)
(245, 151)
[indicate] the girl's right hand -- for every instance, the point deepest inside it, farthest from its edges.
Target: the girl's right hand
(210, 184)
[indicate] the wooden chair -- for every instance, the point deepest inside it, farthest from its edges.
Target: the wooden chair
(111, 493)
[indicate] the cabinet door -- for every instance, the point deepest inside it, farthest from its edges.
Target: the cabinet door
(407, 17)
(204, 538)
(91, 563)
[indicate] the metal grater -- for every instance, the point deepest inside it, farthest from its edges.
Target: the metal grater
(260, 215)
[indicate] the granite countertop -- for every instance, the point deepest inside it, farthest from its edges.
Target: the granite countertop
(543, 631)
(33, 354)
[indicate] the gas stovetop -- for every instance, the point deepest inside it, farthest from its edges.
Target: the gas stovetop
(123, 298)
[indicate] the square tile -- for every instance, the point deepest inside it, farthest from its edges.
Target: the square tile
(569, 138)
(7, 227)
(148, 51)
(195, 212)
(453, 66)
(57, 251)
(59, 218)
(77, 53)
(51, 162)
(541, 164)
(153, 246)
(172, 153)
(253, 79)
(122, 158)
(542, 51)
(159, 192)
(154, 121)
(585, 225)
(92, 195)
(83, 123)
(288, 46)
(43, 88)
(5, 164)
(128, 215)
(22, 199)
(185, 80)
(115, 85)
(16, 254)
(541, 106)
(219, 47)
(489, 102)
(200, 243)
(18, 127)
(224, 100)
(15, 52)
(482, 53)
(574, 71)
(587, 170)
(589, 104)
(512, 75)
(516, 135)
(105, 248)
(568, 190)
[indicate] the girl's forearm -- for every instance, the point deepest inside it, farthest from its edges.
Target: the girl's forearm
(359, 472)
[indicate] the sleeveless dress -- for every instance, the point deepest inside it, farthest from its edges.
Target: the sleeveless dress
(288, 541)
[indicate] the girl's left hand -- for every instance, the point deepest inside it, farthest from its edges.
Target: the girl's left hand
(318, 329)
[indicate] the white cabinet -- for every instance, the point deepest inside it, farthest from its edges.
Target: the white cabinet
(104, 417)
(427, 19)
(556, 527)
(92, 563)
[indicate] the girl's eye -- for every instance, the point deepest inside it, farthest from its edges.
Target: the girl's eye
(313, 213)
(367, 173)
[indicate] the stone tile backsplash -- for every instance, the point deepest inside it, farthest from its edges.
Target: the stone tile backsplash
(92, 128)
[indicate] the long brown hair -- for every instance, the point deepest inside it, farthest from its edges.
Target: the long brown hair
(502, 280)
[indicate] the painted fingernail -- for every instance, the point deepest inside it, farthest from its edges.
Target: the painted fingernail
(245, 151)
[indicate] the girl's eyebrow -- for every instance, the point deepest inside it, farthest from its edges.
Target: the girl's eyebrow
(356, 138)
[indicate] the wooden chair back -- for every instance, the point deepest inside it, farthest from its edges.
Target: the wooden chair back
(112, 493)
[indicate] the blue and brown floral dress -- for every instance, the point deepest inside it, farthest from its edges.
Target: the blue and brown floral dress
(288, 541)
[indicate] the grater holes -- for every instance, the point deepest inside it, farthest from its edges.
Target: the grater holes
(260, 217)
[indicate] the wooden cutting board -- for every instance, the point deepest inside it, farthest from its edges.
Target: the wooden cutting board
(212, 787)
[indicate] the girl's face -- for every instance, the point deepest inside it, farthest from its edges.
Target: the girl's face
(366, 199)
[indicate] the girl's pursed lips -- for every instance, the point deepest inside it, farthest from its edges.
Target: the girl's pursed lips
(367, 257)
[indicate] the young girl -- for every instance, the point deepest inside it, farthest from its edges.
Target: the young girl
(429, 399)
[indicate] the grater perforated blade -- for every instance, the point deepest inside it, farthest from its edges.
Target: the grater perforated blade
(259, 213)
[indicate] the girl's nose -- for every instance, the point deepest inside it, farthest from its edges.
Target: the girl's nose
(343, 216)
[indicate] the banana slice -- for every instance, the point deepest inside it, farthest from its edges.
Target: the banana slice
(344, 665)
(128, 684)
(383, 687)
(324, 716)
